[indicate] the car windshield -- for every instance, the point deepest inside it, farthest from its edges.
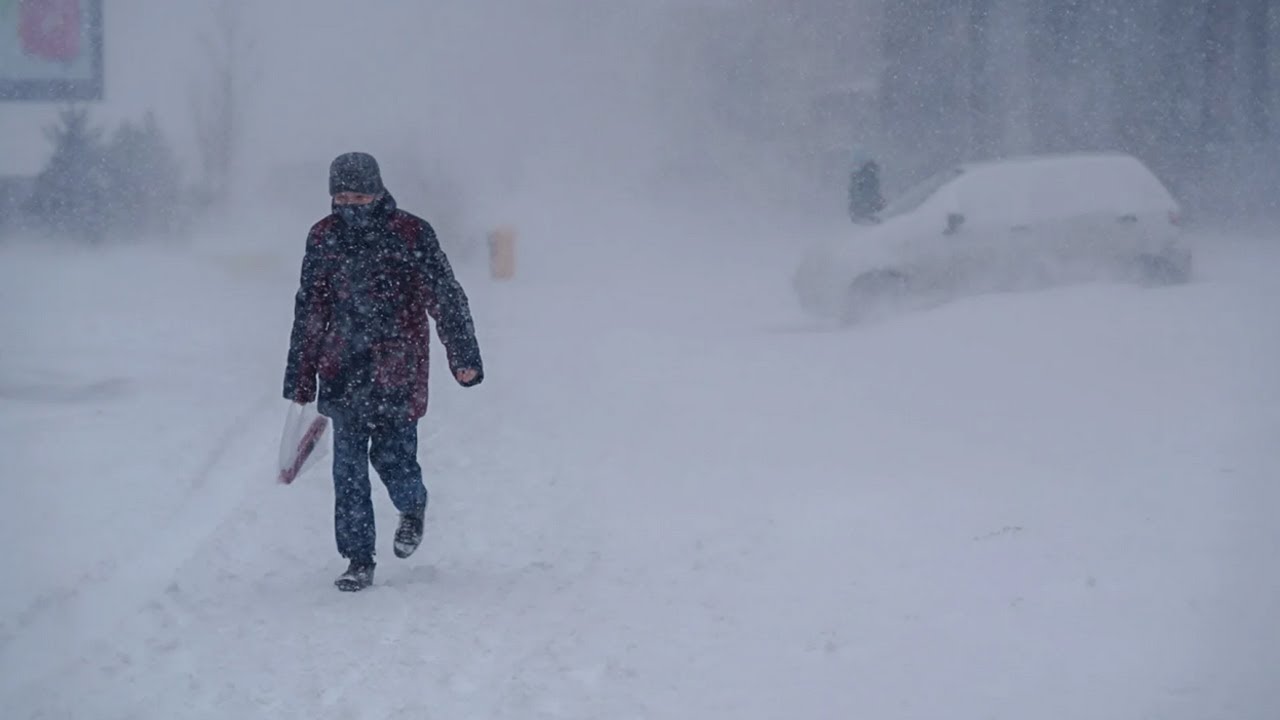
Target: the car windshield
(916, 195)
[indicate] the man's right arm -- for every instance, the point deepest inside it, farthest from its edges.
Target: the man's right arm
(310, 317)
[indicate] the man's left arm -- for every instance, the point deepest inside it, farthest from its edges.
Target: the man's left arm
(449, 307)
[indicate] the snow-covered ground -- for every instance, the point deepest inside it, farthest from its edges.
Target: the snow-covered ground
(673, 497)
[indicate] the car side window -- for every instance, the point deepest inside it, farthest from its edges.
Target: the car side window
(919, 193)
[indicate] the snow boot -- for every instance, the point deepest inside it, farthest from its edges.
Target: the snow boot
(409, 534)
(359, 575)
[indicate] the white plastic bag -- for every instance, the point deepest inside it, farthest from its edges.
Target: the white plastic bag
(305, 441)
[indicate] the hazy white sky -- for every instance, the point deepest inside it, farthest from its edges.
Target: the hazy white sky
(492, 93)
(484, 79)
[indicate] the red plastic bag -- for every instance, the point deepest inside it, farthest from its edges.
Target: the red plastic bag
(305, 440)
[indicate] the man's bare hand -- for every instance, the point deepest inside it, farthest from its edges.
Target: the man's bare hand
(466, 376)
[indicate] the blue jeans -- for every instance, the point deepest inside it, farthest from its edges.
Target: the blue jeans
(393, 450)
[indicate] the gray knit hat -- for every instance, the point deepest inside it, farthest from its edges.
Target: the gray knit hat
(355, 172)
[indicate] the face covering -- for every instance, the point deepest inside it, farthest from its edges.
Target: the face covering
(356, 216)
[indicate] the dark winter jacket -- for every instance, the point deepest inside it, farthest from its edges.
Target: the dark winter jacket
(360, 317)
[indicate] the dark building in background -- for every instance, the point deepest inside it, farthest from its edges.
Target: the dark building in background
(1187, 85)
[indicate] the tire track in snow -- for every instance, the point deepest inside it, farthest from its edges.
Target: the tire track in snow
(58, 623)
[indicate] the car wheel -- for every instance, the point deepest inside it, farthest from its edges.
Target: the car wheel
(1163, 270)
(872, 293)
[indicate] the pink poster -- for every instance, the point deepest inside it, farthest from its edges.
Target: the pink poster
(50, 29)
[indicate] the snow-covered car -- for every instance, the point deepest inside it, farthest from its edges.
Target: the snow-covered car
(1021, 223)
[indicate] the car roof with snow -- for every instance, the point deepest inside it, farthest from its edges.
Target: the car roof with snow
(1028, 187)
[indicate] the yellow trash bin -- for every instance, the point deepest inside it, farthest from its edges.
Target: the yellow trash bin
(502, 253)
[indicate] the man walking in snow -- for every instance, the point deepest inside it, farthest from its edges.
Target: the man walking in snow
(371, 276)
